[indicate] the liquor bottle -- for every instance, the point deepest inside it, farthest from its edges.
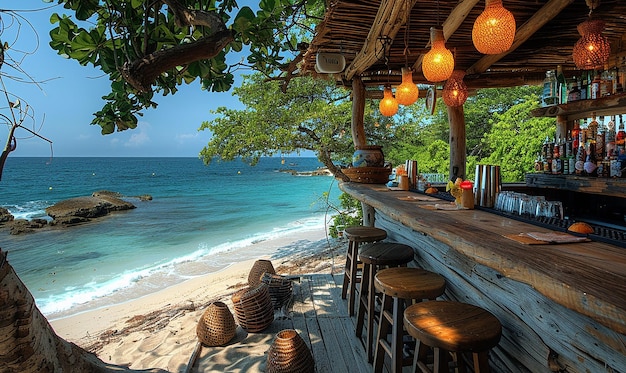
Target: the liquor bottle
(592, 128)
(539, 163)
(595, 86)
(584, 86)
(568, 144)
(561, 86)
(580, 159)
(620, 137)
(591, 164)
(574, 92)
(610, 138)
(600, 136)
(575, 135)
(549, 89)
(556, 159)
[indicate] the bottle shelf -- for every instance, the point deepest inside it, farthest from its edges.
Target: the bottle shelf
(604, 106)
(585, 184)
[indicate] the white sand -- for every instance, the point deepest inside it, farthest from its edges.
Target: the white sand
(159, 330)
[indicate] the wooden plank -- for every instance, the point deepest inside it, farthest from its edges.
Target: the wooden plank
(320, 356)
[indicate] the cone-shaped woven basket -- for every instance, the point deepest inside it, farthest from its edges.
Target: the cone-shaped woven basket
(253, 308)
(280, 288)
(217, 325)
(258, 269)
(289, 354)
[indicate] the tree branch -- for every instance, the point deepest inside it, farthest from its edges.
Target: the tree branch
(142, 73)
(324, 154)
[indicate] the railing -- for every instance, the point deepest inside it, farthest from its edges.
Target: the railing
(436, 178)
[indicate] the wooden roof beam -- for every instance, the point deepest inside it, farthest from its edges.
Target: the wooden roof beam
(544, 15)
(451, 24)
(391, 16)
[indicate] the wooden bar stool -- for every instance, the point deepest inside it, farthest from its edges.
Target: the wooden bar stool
(374, 256)
(356, 235)
(400, 287)
(452, 327)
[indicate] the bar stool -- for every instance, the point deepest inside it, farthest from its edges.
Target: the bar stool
(400, 287)
(374, 256)
(355, 236)
(452, 327)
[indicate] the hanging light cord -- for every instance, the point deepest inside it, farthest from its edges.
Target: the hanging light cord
(406, 36)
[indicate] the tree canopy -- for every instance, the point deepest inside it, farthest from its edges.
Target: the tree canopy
(155, 46)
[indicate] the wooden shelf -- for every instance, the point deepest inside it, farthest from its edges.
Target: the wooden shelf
(609, 105)
(584, 184)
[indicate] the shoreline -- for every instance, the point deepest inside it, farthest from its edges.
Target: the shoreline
(158, 330)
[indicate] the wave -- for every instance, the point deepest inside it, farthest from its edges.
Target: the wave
(138, 282)
(29, 210)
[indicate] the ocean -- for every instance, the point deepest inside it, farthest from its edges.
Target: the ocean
(201, 219)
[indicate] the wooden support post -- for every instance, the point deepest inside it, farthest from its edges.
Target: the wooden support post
(358, 112)
(369, 217)
(456, 118)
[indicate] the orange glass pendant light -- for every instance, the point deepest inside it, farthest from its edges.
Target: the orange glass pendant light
(407, 92)
(592, 50)
(438, 63)
(455, 91)
(494, 29)
(388, 105)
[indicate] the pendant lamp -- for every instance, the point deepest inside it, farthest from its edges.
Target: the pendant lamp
(388, 105)
(407, 92)
(592, 50)
(438, 63)
(455, 91)
(494, 29)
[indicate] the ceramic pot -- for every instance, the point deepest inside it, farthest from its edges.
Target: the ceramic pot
(368, 156)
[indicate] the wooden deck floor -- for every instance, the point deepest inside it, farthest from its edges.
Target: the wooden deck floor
(321, 318)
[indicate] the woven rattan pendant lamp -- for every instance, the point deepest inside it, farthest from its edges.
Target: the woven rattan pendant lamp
(438, 63)
(455, 91)
(494, 29)
(388, 106)
(407, 92)
(593, 49)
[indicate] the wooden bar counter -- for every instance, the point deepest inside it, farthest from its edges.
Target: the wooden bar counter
(563, 307)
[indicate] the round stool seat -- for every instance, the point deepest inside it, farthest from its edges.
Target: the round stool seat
(365, 234)
(453, 326)
(409, 283)
(386, 253)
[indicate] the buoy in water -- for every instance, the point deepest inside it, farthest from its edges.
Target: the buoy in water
(238, 172)
(49, 188)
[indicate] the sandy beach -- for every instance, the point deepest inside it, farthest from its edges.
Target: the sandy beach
(159, 330)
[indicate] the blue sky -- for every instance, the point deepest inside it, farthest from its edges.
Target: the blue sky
(69, 94)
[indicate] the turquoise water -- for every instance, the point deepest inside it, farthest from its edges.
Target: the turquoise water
(201, 219)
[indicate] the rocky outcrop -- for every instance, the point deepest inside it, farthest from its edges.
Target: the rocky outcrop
(99, 204)
(71, 211)
(5, 215)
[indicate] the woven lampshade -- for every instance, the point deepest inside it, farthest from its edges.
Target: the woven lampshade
(455, 91)
(217, 325)
(592, 50)
(258, 269)
(388, 105)
(494, 29)
(407, 92)
(289, 354)
(438, 63)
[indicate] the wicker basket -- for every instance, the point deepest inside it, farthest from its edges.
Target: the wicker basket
(368, 175)
(253, 308)
(280, 288)
(217, 325)
(289, 354)
(258, 269)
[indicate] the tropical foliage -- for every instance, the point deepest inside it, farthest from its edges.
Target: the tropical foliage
(155, 46)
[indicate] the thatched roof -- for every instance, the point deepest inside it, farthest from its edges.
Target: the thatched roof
(546, 34)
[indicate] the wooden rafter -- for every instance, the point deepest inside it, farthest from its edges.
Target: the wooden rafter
(391, 16)
(451, 24)
(544, 15)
